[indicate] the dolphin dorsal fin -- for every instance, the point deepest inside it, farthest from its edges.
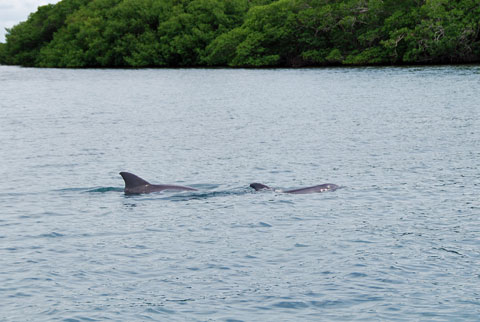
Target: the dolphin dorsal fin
(132, 180)
(259, 186)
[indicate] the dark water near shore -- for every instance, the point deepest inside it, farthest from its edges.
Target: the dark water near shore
(400, 240)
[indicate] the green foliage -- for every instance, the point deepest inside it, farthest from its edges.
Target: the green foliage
(263, 39)
(2, 52)
(245, 33)
(449, 33)
(25, 40)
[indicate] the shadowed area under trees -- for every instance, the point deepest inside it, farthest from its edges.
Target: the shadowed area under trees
(242, 33)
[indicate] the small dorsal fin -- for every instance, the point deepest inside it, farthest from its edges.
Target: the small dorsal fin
(259, 186)
(132, 180)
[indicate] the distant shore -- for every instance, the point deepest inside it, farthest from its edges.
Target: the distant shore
(245, 34)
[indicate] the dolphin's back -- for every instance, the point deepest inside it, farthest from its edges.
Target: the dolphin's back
(314, 189)
(161, 187)
(136, 185)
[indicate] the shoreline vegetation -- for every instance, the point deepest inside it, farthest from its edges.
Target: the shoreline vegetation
(245, 33)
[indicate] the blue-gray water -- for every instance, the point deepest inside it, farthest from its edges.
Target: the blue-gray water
(400, 240)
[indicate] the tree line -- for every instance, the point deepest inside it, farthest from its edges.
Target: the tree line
(245, 33)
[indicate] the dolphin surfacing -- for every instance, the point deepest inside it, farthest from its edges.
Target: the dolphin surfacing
(313, 189)
(137, 185)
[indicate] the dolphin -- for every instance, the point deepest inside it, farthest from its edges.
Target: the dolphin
(136, 185)
(313, 189)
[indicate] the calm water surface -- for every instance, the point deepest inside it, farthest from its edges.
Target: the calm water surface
(400, 241)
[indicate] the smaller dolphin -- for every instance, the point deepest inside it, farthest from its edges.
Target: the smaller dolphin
(136, 185)
(313, 189)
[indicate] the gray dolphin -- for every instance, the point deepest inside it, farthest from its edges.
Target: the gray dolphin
(136, 185)
(313, 189)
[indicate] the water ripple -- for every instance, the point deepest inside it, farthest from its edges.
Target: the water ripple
(399, 241)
